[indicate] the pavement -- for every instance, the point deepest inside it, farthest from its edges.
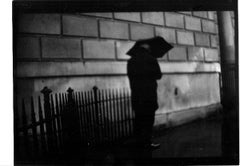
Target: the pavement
(206, 141)
(200, 140)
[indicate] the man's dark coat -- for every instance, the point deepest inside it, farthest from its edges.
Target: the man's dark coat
(143, 71)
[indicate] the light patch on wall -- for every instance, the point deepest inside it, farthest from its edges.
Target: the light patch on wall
(178, 92)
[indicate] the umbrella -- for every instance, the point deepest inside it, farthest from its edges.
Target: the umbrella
(158, 47)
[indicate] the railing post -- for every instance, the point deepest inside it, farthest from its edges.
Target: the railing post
(72, 111)
(97, 129)
(48, 117)
(70, 95)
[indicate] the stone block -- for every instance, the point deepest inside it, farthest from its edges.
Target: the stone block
(104, 14)
(28, 47)
(193, 23)
(129, 16)
(195, 54)
(209, 26)
(61, 47)
(122, 48)
(167, 33)
(153, 18)
(177, 53)
(95, 49)
(185, 38)
(202, 14)
(110, 29)
(211, 15)
(39, 23)
(214, 41)
(185, 12)
(211, 54)
(174, 20)
(80, 26)
(141, 32)
(202, 39)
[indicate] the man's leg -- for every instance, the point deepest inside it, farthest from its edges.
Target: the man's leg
(139, 126)
(148, 125)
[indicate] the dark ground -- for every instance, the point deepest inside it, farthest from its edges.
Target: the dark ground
(213, 140)
(205, 141)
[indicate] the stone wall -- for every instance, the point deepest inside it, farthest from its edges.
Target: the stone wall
(86, 49)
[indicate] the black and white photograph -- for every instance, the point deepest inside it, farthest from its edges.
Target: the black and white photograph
(125, 83)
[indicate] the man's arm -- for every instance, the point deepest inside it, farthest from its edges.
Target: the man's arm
(153, 69)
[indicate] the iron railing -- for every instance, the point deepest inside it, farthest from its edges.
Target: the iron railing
(62, 121)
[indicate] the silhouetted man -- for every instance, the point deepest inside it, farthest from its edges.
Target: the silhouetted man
(143, 71)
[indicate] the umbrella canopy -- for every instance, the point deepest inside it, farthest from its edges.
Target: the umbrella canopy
(158, 47)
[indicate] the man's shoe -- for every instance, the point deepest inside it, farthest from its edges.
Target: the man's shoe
(152, 146)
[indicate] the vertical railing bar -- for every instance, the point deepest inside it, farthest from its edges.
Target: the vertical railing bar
(81, 116)
(42, 132)
(115, 115)
(108, 115)
(55, 141)
(76, 114)
(77, 111)
(108, 91)
(86, 116)
(111, 104)
(48, 117)
(61, 118)
(58, 121)
(125, 110)
(100, 117)
(122, 112)
(66, 98)
(34, 127)
(130, 112)
(126, 113)
(118, 114)
(105, 116)
(101, 109)
(94, 116)
(91, 130)
(97, 110)
(101, 103)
